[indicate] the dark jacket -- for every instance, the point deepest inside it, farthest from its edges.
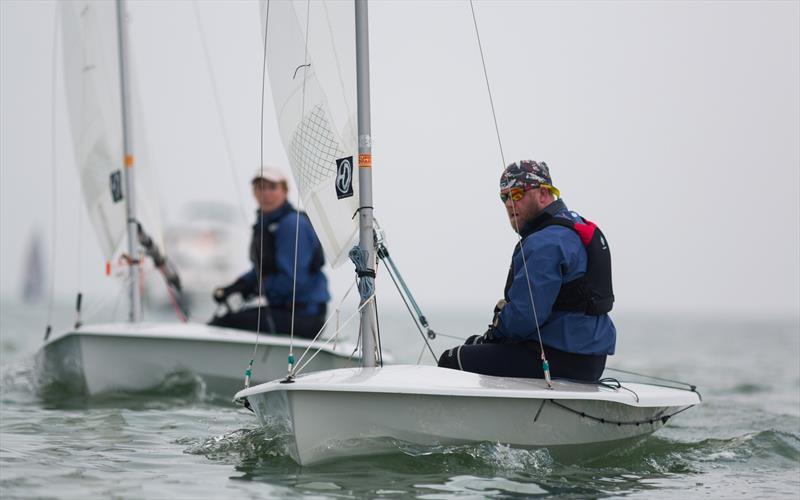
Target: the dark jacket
(554, 256)
(278, 261)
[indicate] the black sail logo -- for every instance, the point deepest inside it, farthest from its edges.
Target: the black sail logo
(116, 186)
(344, 177)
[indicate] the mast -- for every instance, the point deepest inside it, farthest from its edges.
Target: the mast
(366, 239)
(127, 143)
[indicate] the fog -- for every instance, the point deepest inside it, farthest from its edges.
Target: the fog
(673, 125)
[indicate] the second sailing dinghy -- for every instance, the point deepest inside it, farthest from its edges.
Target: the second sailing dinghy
(367, 410)
(133, 356)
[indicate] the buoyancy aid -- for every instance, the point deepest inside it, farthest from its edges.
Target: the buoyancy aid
(270, 265)
(592, 293)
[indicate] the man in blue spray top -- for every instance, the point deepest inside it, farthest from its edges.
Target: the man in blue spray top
(272, 253)
(558, 291)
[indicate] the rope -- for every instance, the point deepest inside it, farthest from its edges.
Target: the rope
(249, 371)
(53, 191)
(545, 364)
(300, 200)
(486, 77)
(336, 334)
(220, 116)
(691, 387)
(663, 418)
(325, 324)
(378, 333)
(366, 288)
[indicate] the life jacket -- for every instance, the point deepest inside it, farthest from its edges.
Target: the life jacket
(592, 293)
(269, 265)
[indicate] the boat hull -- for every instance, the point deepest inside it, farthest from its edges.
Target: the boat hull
(132, 358)
(367, 419)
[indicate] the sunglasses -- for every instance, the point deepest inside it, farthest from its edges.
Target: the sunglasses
(516, 193)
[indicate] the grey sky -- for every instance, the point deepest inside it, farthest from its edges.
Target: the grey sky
(673, 125)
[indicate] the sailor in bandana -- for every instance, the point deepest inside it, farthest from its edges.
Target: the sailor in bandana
(558, 289)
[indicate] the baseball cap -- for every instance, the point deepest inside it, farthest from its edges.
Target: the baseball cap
(269, 173)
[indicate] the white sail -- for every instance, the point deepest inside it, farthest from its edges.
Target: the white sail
(91, 79)
(314, 92)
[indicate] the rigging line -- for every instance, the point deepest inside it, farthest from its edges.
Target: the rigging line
(336, 334)
(488, 88)
(327, 320)
(513, 203)
(397, 286)
(53, 191)
(663, 418)
(378, 334)
(220, 116)
(652, 377)
(249, 372)
(300, 198)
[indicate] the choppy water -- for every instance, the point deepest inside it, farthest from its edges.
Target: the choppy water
(173, 442)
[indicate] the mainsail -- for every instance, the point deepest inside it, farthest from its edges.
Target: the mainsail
(92, 82)
(312, 74)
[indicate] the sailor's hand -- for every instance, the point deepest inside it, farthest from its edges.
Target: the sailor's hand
(220, 294)
(473, 340)
(486, 338)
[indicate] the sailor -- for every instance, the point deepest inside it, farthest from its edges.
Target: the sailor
(558, 291)
(278, 230)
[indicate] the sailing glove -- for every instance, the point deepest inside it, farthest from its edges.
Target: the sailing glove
(222, 293)
(486, 338)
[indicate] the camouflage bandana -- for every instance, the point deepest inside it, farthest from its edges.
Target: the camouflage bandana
(527, 174)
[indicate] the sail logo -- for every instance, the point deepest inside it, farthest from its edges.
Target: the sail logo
(344, 177)
(116, 186)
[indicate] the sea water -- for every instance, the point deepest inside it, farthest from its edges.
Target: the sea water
(176, 441)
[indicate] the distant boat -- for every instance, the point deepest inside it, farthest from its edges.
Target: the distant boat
(34, 279)
(132, 356)
(208, 246)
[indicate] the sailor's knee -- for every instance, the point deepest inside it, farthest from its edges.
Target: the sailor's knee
(448, 359)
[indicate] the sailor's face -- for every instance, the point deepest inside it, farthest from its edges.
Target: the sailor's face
(269, 195)
(526, 208)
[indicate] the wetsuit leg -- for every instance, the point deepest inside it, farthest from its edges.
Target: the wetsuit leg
(272, 321)
(522, 359)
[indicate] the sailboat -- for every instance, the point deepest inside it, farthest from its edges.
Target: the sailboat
(136, 355)
(367, 410)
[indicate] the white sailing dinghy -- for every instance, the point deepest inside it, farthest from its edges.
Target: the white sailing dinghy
(136, 355)
(360, 411)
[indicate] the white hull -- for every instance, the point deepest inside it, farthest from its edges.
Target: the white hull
(351, 412)
(127, 357)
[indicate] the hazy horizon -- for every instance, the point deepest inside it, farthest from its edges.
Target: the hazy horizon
(674, 126)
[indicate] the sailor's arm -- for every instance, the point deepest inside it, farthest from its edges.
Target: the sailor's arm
(544, 260)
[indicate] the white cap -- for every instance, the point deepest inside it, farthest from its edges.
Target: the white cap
(269, 173)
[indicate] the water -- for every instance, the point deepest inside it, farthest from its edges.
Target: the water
(174, 442)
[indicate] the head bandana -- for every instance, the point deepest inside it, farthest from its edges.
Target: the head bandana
(528, 174)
